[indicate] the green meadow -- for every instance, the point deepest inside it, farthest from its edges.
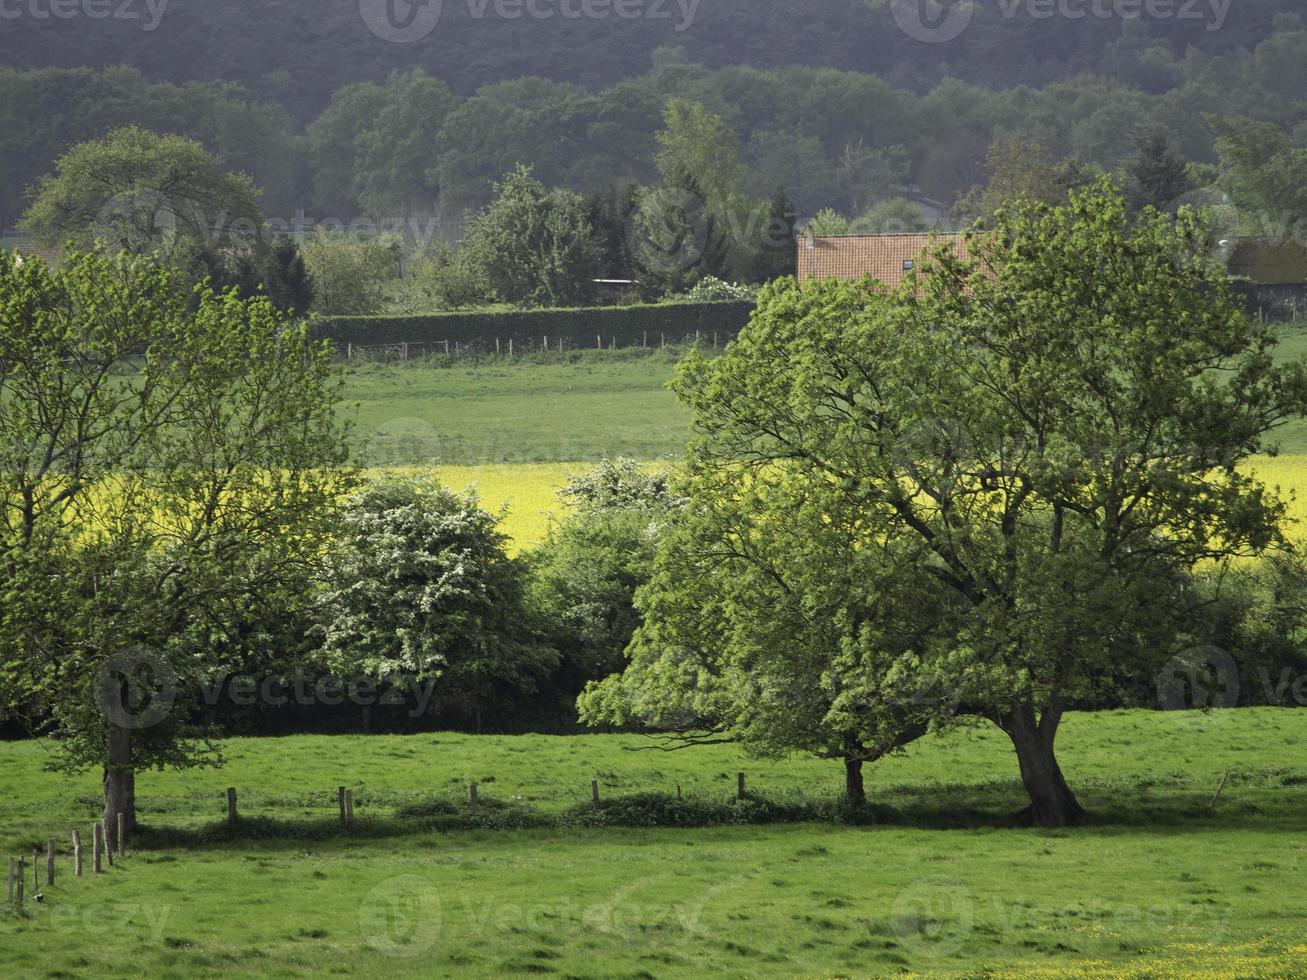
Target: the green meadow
(573, 406)
(1162, 881)
(1191, 862)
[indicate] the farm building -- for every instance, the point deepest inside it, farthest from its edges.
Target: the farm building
(887, 258)
(1271, 276)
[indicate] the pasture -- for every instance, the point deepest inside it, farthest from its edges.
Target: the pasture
(580, 405)
(1162, 882)
(1168, 878)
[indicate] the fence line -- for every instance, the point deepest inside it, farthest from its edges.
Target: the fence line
(408, 349)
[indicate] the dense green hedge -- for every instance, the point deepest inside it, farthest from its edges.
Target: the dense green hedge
(628, 326)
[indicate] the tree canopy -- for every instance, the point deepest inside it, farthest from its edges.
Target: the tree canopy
(975, 497)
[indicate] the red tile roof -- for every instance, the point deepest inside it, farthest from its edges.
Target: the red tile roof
(883, 257)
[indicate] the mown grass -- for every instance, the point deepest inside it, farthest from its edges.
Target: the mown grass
(1157, 884)
(577, 406)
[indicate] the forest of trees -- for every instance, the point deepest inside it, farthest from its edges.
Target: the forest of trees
(414, 144)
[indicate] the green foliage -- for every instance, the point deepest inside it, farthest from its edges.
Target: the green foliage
(628, 326)
(710, 289)
(138, 189)
(829, 223)
(892, 216)
(171, 463)
(585, 575)
(936, 502)
(1159, 177)
(531, 247)
(442, 279)
(273, 269)
(1265, 175)
(349, 276)
(420, 585)
(1019, 169)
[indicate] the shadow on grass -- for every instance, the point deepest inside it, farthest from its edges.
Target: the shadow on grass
(1270, 811)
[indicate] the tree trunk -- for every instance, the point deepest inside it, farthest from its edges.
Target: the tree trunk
(853, 787)
(120, 781)
(1052, 804)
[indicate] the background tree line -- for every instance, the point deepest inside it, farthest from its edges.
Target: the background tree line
(830, 133)
(318, 49)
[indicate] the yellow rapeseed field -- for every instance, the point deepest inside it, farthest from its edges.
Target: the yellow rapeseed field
(526, 493)
(1287, 475)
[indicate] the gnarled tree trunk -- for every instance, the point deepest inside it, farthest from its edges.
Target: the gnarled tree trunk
(1052, 804)
(120, 781)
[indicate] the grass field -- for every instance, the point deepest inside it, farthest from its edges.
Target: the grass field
(1163, 880)
(583, 406)
(1159, 884)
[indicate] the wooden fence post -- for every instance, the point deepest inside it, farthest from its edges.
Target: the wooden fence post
(349, 806)
(340, 798)
(599, 342)
(13, 875)
(510, 346)
(231, 804)
(49, 861)
(107, 839)
(496, 347)
(594, 791)
(20, 884)
(476, 803)
(97, 847)
(739, 785)
(77, 853)
(122, 835)
(678, 791)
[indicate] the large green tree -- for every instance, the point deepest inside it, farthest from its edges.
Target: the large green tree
(533, 247)
(984, 487)
(137, 189)
(169, 466)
